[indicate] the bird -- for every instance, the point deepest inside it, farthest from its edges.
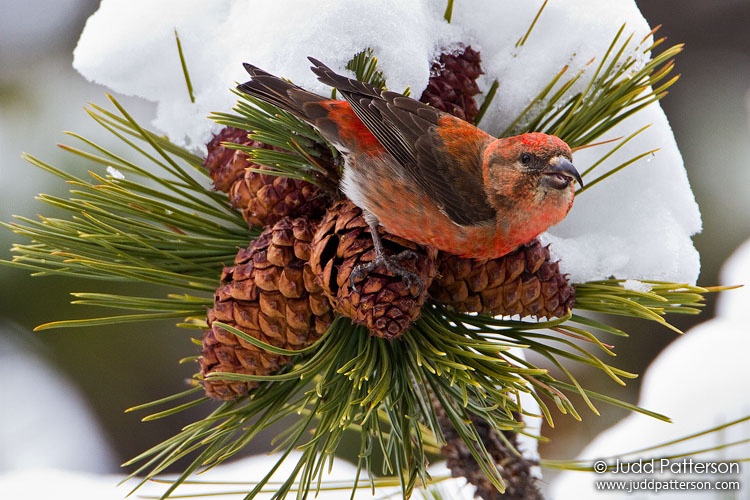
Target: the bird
(427, 176)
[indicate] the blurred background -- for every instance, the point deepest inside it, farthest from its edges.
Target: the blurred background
(111, 369)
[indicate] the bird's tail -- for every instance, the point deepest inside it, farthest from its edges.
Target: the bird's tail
(280, 93)
(347, 86)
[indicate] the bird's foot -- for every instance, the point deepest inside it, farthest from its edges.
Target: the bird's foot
(392, 265)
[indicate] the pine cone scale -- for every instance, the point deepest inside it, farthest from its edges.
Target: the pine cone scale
(270, 294)
(342, 243)
(525, 282)
(452, 85)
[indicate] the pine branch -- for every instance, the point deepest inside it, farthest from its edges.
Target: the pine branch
(159, 225)
(155, 220)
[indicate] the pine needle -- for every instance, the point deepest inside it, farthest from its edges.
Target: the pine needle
(448, 15)
(521, 41)
(489, 96)
(183, 63)
(365, 67)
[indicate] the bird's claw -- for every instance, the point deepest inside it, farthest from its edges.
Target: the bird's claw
(392, 265)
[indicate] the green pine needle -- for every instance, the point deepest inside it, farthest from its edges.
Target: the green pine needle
(306, 156)
(448, 15)
(635, 455)
(183, 63)
(521, 41)
(159, 224)
(365, 67)
(619, 86)
(488, 98)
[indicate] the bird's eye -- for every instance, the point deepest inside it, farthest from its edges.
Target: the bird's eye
(525, 158)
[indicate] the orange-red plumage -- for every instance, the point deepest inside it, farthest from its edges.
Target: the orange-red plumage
(352, 131)
(428, 176)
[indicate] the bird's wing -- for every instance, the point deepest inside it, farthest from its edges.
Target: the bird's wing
(420, 137)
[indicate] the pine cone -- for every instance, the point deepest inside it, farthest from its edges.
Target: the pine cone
(271, 294)
(452, 85)
(264, 199)
(524, 282)
(520, 483)
(226, 165)
(383, 302)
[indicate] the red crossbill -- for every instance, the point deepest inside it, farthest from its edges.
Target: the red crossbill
(428, 176)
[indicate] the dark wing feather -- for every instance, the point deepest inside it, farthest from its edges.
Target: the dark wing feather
(408, 130)
(455, 181)
(371, 105)
(274, 90)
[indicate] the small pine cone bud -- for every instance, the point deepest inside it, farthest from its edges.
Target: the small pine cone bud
(452, 85)
(269, 293)
(265, 199)
(524, 282)
(382, 302)
(226, 165)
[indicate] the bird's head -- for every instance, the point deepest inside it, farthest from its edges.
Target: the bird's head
(533, 174)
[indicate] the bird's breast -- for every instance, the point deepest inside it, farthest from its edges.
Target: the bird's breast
(379, 186)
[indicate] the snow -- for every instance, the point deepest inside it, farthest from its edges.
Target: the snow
(736, 271)
(114, 173)
(636, 225)
(48, 424)
(43, 483)
(699, 381)
(636, 286)
(342, 472)
(130, 47)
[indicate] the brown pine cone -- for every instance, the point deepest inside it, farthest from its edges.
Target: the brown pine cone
(226, 165)
(520, 482)
(271, 294)
(382, 302)
(524, 282)
(263, 199)
(452, 85)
